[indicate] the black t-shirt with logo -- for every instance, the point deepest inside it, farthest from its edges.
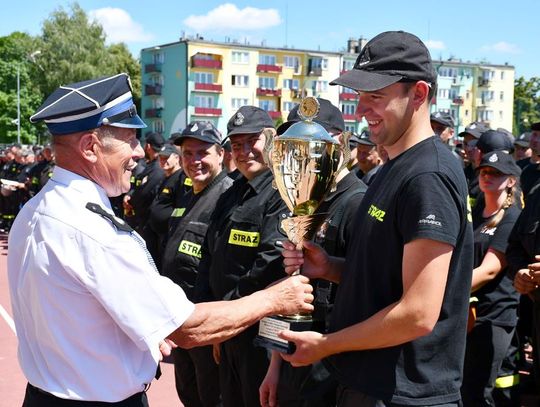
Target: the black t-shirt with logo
(421, 194)
(497, 300)
(529, 178)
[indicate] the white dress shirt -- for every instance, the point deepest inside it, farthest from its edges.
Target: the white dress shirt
(89, 308)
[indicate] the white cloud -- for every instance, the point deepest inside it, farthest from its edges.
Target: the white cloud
(432, 44)
(119, 26)
(228, 16)
(502, 47)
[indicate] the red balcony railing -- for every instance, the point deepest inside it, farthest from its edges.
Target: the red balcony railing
(269, 68)
(208, 87)
(349, 117)
(274, 114)
(153, 112)
(206, 63)
(348, 96)
(207, 111)
(149, 68)
(152, 90)
(268, 92)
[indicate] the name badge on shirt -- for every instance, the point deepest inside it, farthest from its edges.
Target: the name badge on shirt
(243, 238)
(188, 182)
(178, 212)
(190, 248)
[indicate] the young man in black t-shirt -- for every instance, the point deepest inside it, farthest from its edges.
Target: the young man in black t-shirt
(399, 320)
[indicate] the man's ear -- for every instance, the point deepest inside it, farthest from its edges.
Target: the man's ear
(88, 145)
(421, 92)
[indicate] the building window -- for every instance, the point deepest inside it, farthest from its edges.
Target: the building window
(485, 115)
(502, 75)
(267, 59)
(291, 84)
(158, 126)
(448, 72)
(468, 94)
(350, 127)
(267, 83)
(317, 63)
(204, 101)
(240, 57)
(466, 112)
(320, 86)
(501, 96)
(488, 75)
(268, 105)
(237, 103)
(156, 80)
(487, 96)
(158, 57)
(288, 106)
(240, 80)
(348, 108)
(291, 62)
(204, 77)
(501, 114)
(348, 65)
(343, 89)
(452, 94)
(443, 93)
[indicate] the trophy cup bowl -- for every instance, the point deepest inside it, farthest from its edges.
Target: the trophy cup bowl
(305, 161)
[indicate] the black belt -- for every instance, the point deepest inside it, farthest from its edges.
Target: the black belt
(35, 397)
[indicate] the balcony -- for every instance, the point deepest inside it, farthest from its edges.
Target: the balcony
(268, 92)
(263, 68)
(349, 117)
(207, 111)
(198, 62)
(155, 113)
(298, 93)
(150, 68)
(348, 96)
(483, 81)
(151, 90)
(314, 72)
(274, 114)
(208, 87)
(457, 101)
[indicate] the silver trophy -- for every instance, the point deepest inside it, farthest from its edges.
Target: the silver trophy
(305, 161)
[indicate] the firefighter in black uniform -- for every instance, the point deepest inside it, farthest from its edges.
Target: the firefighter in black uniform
(312, 385)
(241, 253)
(531, 173)
(137, 201)
(160, 211)
(470, 136)
(196, 372)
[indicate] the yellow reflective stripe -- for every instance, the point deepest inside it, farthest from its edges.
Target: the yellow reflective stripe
(504, 382)
(166, 191)
(178, 212)
(190, 248)
(243, 238)
(188, 182)
(138, 183)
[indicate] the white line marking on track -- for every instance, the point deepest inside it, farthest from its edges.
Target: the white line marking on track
(8, 319)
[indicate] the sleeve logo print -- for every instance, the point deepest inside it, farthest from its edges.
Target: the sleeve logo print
(430, 220)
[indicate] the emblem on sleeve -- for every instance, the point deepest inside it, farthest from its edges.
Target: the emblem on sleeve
(430, 220)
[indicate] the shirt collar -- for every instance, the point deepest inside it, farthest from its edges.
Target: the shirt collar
(261, 181)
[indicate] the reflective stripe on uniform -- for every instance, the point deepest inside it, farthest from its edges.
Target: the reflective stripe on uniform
(504, 382)
(243, 238)
(190, 248)
(178, 212)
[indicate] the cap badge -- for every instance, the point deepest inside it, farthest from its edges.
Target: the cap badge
(364, 57)
(239, 119)
(194, 128)
(472, 126)
(493, 158)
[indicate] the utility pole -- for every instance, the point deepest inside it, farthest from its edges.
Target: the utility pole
(18, 104)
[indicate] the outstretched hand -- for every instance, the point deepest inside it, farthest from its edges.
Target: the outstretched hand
(309, 347)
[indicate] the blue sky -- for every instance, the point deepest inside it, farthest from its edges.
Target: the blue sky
(494, 31)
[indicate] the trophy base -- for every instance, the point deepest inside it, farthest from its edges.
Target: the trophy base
(270, 326)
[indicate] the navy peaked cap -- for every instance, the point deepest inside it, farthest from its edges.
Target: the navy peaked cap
(90, 104)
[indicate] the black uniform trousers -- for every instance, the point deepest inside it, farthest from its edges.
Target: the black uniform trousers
(35, 397)
(242, 369)
(487, 346)
(347, 397)
(196, 376)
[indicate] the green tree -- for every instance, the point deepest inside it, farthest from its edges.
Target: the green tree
(526, 104)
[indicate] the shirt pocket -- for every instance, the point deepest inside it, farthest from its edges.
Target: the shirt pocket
(244, 236)
(189, 251)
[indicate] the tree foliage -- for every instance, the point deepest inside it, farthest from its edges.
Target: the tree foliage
(526, 103)
(70, 48)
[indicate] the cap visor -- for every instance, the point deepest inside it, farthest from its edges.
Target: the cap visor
(179, 140)
(365, 81)
(522, 143)
(134, 122)
(245, 130)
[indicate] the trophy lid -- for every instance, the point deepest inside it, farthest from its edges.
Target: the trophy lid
(307, 129)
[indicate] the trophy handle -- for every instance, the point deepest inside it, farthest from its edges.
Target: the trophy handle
(346, 154)
(268, 152)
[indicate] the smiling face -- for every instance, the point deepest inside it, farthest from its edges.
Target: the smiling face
(247, 151)
(387, 111)
(117, 150)
(201, 162)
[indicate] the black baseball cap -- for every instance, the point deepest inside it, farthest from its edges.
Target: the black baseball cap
(363, 138)
(535, 126)
(249, 119)
(475, 129)
(167, 150)
(155, 140)
(442, 118)
(495, 140)
(502, 162)
(200, 130)
(390, 57)
(329, 117)
(523, 140)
